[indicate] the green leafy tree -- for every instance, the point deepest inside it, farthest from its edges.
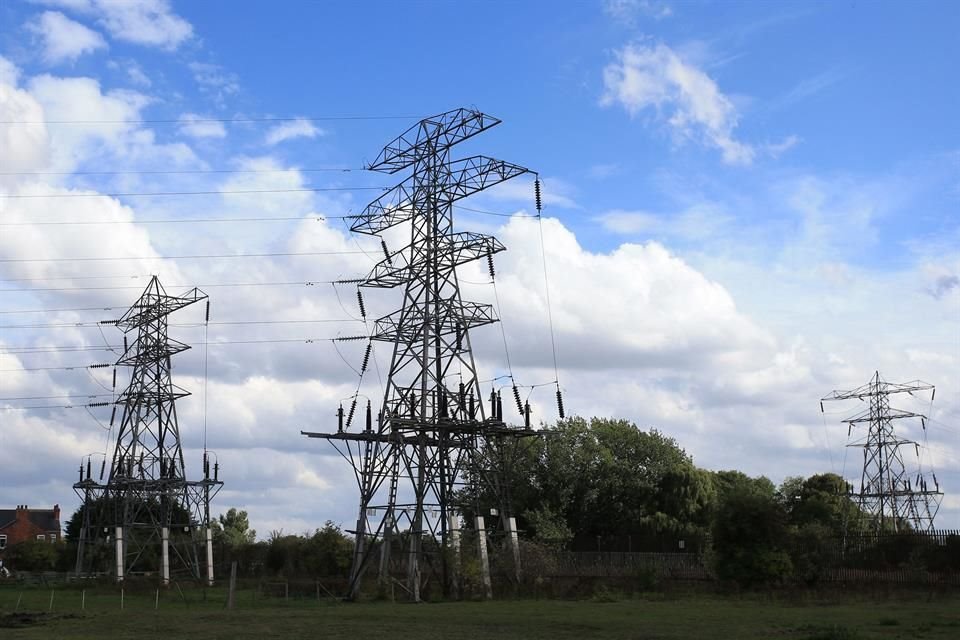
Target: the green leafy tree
(751, 537)
(32, 555)
(232, 529)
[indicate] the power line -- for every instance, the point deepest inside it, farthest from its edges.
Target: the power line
(58, 325)
(150, 172)
(306, 283)
(17, 311)
(225, 120)
(184, 193)
(116, 347)
(166, 221)
(186, 257)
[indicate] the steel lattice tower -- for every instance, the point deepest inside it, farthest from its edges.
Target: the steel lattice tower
(890, 496)
(432, 430)
(147, 502)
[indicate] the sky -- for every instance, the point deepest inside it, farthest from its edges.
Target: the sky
(746, 206)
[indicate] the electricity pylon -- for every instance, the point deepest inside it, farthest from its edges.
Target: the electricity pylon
(890, 497)
(147, 502)
(432, 429)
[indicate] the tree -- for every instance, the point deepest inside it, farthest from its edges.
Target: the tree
(751, 536)
(233, 529)
(32, 555)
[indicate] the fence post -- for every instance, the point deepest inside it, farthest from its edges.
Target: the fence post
(233, 584)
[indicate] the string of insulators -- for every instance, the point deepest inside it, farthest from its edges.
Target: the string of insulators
(560, 403)
(353, 407)
(493, 273)
(114, 378)
(386, 253)
(206, 317)
(459, 337)
(363, 309)
(516, 396)
(88, 468)
(99, 366)
(98, 404)
(471, 407)
(369, 423)
(536, 194)
(216, 471)
(113, 414)
(366, 358)
(499, 407)
(340, 419)
(124, 343)
(103, 468)
(206, 466)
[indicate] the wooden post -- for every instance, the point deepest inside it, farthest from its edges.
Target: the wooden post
(233, 584)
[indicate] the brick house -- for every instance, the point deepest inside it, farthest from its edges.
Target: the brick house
(23, 523)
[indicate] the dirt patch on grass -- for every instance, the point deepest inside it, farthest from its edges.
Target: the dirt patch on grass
(30, 619)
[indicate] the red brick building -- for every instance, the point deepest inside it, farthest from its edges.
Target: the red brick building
(23, 523)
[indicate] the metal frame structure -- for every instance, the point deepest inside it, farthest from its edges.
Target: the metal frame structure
(147, 502)
(889, 495)
(432, 433)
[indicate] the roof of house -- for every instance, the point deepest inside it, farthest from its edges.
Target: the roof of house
(41, 518)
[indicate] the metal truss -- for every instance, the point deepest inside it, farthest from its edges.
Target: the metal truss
(147, 509)
(890, 496)
(433, 432)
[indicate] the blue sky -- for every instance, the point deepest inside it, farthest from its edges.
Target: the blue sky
(748, 205)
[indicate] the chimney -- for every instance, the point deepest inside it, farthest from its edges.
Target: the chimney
(56, 513)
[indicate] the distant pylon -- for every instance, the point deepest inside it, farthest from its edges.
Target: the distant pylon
(147, 514)
(890, 497)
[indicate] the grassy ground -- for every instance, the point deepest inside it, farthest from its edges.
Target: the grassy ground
(641, 618)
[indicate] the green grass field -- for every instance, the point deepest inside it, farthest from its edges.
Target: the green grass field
(687, 617)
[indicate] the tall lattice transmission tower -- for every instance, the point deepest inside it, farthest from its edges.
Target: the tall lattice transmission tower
(433, 431)
(147, 510)
(892, 496)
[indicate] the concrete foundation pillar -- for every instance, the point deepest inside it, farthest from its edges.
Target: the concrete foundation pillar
(165, 555)
(209, 534)
(484, 558)
(118, 543)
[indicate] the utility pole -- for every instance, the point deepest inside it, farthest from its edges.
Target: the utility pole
(433, 428)
(890, 496)
(146, 501)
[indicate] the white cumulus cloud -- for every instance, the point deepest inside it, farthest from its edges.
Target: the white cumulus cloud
(64, 40)
(654, 77)
(299, 128)
(197, 126)
(144, 22)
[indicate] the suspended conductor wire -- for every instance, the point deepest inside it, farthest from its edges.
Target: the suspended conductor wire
(223, 120)
(210, 192)
(503, 331)
(351, 367)
(186, 257)
(162, 221)
(546, 289)
(206, 360)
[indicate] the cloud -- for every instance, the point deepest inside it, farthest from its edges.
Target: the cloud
(698, 222)
(197, 126)
(214, 81)
(144, 22)
(627, 12)
(944, 284)
(64, 40)
(654, 77)
(299, 128)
